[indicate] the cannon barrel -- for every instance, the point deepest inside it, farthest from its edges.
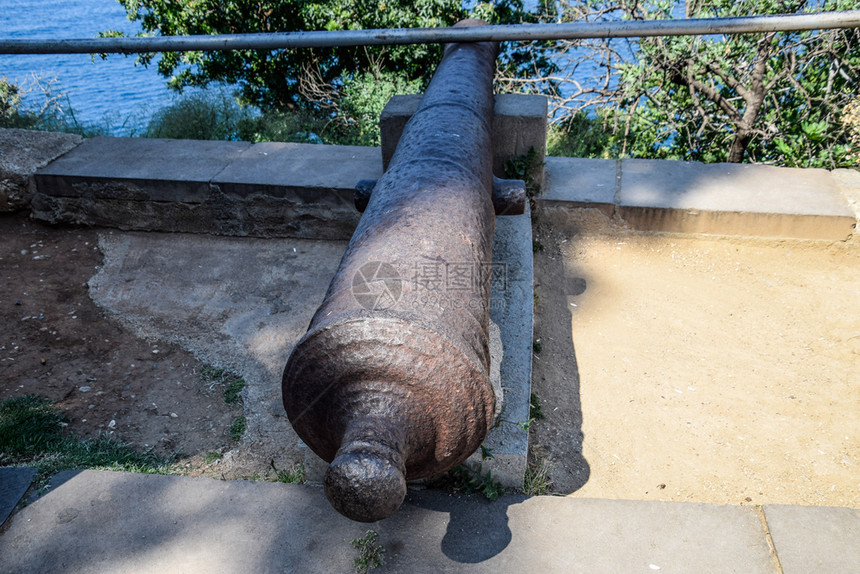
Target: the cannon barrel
(391, 381)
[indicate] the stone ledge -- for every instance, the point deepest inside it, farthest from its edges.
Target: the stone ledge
(22, 152)
(305, 191)
(225, 188)
(720, 199)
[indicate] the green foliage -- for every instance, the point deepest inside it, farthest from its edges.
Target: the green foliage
(50, 116)
(199, 116)
(475, 480)
(536, 481)
(270, 79)
(11, 114)
(325, 95)
(364, 97)
(536, 346)
(295, 475)
(212, 456)
(579, 135)
(774, 97)
(486, 453)
(298, 127)
(523, 167)
(238, 427)
(535, 412)
(369, 552)
(31, 433)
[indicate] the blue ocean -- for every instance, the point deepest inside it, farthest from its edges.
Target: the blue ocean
(115, 91)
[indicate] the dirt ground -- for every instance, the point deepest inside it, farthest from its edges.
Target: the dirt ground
(671, 367)
(689, 368)
(55, 342)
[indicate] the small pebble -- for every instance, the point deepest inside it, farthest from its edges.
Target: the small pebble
(86, 389)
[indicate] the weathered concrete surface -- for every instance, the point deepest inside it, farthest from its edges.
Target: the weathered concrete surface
(848, 181)
(519, 124)
(578, 182)
(22, 152)
(236, 303)
(733, 199)
(14, 482)
(226, 188)
(103, 521)
(511, 308)
(815, 538)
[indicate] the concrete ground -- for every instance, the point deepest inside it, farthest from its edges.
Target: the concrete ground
(93, 522)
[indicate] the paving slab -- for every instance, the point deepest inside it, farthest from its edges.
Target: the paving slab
(815, 538)
(140, 169)
(305, 172)
(733, 199)
(580, 182)
(14, 483)
(98, 521)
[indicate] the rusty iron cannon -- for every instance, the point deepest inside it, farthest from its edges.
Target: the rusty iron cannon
(391, 382)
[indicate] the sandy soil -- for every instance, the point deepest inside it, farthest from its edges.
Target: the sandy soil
(671, 367)
(685, 368)
(55, 342)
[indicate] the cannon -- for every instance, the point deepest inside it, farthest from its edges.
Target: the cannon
(390, 383)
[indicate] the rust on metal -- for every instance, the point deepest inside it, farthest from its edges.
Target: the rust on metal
(391, 382)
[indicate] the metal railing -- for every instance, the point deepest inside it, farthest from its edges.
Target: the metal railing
(517, 32)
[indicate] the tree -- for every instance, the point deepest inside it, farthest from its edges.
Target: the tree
(271, 78)
(776, 97)
(281, 79)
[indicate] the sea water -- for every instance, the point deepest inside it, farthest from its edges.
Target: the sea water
(113, 92)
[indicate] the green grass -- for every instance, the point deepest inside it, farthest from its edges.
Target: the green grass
(471, 480)
(295, 475)
(31, 433)
(232, 384)
(237, 429)
(535, 411)
(537, 481)
(369, 552)
(232, 388)
(212, 456)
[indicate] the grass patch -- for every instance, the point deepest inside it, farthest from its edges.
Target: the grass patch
(369, 552)
(237, 429)
(212, 456)
(535, 411)
(31, 433)
(295, 475)
(537, 481)
(474, 480)
(231, 384)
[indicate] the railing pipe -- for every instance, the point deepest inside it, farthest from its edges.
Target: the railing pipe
(514, 32)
